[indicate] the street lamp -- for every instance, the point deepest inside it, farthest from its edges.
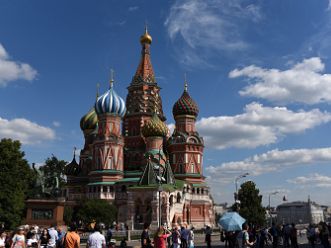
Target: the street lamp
(236, 200)
(236, 182)
(160, 180)
(270, 194)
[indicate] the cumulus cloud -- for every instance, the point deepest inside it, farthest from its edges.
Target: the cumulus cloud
(304, 82)
(211, 25)
(312, 180)
(25, 131)
(270, 161)
(257, 126)
(13, 70)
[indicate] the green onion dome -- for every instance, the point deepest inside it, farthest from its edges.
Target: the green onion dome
(89, 122)
(185, 105)
(155, 127)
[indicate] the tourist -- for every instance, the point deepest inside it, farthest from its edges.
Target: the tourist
(274, 233)
(175, 237)
(184, 235)
(160, 237)
(109, 235)
(243, 237)
(324, 235)
(144, 237)
(191, 238)
(294, 236)
(61, 233)
(44, 238)
(54, 237)
(123, 243)
(96, 239)
(32, 241)
(18, 240)
(311, 235)
(208, 232)
(3, 238)
(72, 239)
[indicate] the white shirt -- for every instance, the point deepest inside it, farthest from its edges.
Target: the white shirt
(96, 240)
(2, 242)
(54, 237)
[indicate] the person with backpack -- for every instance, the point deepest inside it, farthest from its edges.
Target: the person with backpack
(294, 236)
(243, 238)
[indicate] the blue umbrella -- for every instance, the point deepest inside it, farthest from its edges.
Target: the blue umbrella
(231, 221)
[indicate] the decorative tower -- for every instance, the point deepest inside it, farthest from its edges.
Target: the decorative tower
(89, 126)
(142, 101)
(157, 169)
(185, 146)
(108, 145)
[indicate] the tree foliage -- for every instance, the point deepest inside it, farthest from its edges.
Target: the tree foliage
(251, 203)
(97, 210)
(17, 178)
(54, 167)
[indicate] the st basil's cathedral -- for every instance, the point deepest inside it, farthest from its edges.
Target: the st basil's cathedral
(131, 160)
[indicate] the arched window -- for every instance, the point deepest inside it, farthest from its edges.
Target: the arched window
(198, 191)
(179, 197)
(171, 200)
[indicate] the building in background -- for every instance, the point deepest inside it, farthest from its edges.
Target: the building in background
(129, 150)
(300, 213)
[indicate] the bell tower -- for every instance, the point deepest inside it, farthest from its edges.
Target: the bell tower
(143, 100)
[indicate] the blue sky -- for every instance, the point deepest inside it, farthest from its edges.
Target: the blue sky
(260, 72)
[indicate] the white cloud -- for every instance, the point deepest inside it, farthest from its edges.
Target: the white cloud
(312, 180)
(304, 82)
(211, 25)
(270, 161)
(25, 131)
(257, 126)
(133, 8)
(13, 70)
(56, 124)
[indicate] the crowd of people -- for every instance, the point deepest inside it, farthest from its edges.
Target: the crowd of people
(285, 236)
(53, 237)
(176, 237)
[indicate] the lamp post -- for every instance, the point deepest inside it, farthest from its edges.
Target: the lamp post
(269, 206)
(160, 189)
(237, 202)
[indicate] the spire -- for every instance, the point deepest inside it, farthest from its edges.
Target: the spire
(111, 81)
(145, 72)
(185, 83)
(98, 87)
(74, 152)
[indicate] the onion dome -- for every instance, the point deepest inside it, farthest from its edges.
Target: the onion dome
(110, 103)
(72, 169)
(155, 127)
(185, 105)
(146, 38)
(89, 121)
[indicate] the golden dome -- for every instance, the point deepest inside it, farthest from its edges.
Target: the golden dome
(146, 38)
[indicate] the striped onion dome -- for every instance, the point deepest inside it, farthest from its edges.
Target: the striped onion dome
(185, 105)
(110, 103)
(89, 121)
(155, 127)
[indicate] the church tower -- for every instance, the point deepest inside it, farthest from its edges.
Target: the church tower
(142, 101)
(108, 145)
(185, 146)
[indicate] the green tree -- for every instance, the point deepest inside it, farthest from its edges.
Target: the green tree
(97, 210)
(54, 167)
(251, 203)
(17, 178)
